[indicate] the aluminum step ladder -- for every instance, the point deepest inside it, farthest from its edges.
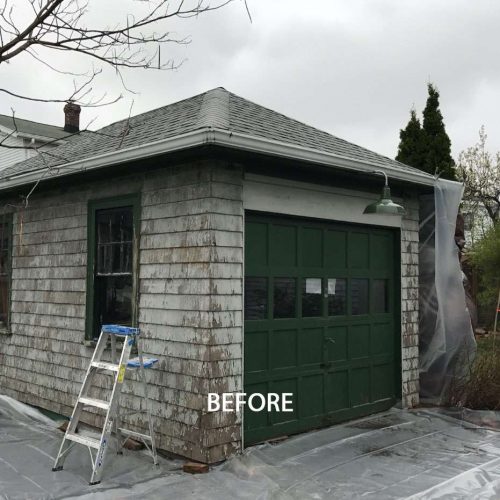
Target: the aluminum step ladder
(112, 422)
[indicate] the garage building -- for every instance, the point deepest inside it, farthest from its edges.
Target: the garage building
(246, 259)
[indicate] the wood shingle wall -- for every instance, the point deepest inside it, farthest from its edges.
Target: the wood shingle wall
(410, 304)
(190, 306)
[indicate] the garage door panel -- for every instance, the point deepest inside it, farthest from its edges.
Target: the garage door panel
(382, 341)
(335, 250)
(283, 246)
(285, 386)
(359, 342)
(359, 386)
(311, 402)
(337, 343)
(312, 247)
(382, 248)
(359, 250)
(311, 346)
(320, 321)
(382, 381)
(337, 388)
(256, 420)
(283, 349)
(256, 244)
(256, 351)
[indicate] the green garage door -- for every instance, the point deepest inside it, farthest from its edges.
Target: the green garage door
(321, 321)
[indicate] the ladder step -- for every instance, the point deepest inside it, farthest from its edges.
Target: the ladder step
(106, 366)
(87, 441)
(97, 403)
(130, 433)
(147, 362)
(120, 330)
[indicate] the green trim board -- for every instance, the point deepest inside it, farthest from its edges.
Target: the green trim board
(7, 220)
(133, 201)
(321, 321)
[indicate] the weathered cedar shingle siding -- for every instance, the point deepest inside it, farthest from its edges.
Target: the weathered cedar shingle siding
(190, 306)
(409, 303)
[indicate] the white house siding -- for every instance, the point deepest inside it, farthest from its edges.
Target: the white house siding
(15, 149)
(11, 155)
(274, 195)
(191, 266)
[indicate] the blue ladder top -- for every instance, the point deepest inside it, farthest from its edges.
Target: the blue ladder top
(120, 330)
(135, 362)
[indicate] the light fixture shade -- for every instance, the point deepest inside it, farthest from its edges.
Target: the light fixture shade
(385, 206)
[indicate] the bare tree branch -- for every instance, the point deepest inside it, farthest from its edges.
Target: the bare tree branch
(44, 28)
(480, 173)
(66, 26)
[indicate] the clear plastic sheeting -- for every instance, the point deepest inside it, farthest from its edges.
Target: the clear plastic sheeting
(447, 342)
(396, 454)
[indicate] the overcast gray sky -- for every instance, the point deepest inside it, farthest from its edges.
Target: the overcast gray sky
(353, 67)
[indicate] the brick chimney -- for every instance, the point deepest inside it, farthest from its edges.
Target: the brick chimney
(72, 117)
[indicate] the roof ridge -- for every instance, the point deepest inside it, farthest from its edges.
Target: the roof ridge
(214, 109)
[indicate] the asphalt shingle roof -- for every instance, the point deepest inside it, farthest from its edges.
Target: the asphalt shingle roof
(29, 127)
(216, 108)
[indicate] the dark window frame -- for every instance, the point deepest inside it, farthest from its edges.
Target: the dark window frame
(7, 219)
(131, 200)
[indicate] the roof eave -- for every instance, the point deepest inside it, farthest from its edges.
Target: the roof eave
(293, 152)
(224, 138)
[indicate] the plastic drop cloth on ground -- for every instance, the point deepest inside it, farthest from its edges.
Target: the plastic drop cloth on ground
(396, 454)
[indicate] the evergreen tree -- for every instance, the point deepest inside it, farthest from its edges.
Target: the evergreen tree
(437, 143)
(411, 149)
(427, 147)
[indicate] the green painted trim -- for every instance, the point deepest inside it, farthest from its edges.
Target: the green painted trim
(398, 362)
(133, 200)
(8, 220)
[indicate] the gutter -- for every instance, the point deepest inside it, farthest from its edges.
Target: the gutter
(219, 137)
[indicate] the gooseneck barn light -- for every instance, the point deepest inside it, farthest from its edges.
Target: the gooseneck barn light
(384, 206)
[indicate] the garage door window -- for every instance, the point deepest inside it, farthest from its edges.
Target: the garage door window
(255, 298)
(380, 296)
(359, 296)
(337, 293)
(284, 297)
(311, 297)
